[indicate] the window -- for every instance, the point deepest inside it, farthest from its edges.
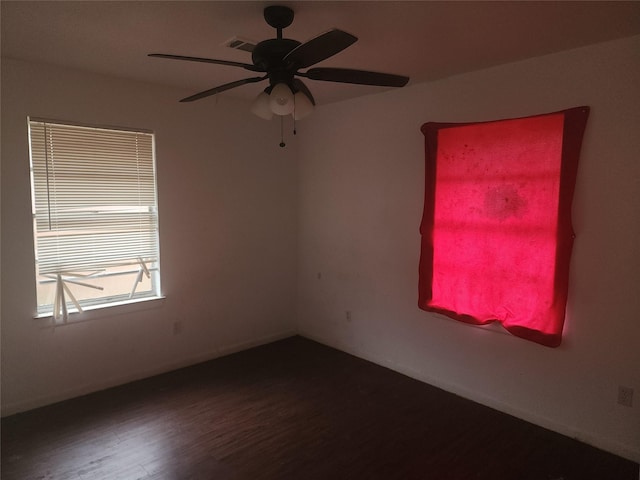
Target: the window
(496, 229)
(95, 217)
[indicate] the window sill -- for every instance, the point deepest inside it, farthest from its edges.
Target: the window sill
(94, 312)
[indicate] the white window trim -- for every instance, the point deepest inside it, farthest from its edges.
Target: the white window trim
(103, 311)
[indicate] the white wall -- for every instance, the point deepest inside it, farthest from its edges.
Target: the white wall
(232, 281)
(227, 196)
(361, 194)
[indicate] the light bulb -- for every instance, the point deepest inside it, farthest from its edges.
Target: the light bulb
(281, 99)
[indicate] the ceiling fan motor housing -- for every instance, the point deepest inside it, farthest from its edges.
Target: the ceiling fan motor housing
(269, 54)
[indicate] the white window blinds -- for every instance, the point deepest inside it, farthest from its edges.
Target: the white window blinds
(95, 214)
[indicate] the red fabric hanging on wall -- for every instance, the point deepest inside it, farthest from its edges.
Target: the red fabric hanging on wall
(496, 228)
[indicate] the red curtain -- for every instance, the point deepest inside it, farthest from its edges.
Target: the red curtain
(496, 228)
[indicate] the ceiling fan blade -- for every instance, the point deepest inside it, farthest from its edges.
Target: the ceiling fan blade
(222, 88)
(246, 66)
(319, 48)
(360, 77)
(301, 87)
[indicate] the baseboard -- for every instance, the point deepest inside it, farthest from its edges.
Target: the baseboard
(623, 450)
(221, 351)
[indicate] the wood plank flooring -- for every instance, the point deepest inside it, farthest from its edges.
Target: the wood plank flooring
(293, 409)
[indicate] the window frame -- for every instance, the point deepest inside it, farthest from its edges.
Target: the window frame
(146, 267)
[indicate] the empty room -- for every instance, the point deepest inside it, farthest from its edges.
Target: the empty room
(320, 240)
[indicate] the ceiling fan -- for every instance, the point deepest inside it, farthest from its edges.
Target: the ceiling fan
(280, 60)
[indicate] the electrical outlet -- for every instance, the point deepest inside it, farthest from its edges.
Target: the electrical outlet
(625, 396)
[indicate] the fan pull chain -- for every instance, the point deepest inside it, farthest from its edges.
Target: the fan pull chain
(294, 115)
(282, 144)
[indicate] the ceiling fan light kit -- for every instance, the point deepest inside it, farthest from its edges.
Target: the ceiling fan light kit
(261, 106)
(280, 60)
(281, 99)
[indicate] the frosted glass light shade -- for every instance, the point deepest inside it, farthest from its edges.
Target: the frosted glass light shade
(303, 106)
(281, 99)
(261, 106)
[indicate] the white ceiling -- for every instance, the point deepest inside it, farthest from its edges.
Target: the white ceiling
(421, 39)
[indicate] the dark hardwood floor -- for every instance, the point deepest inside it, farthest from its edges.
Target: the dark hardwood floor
(293, 409)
